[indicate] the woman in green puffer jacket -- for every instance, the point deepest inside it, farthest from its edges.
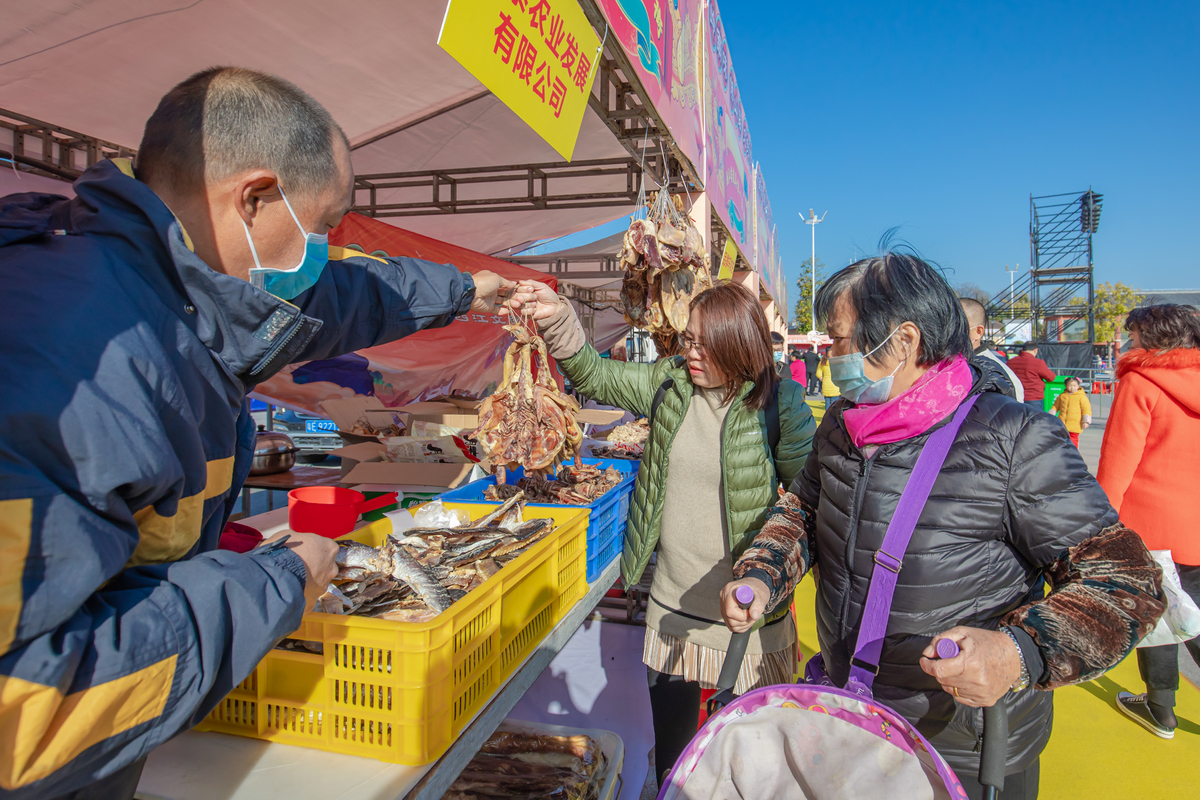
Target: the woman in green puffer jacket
(708, 479)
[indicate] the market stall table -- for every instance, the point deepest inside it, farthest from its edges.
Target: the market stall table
(295, 478)
(214, 765)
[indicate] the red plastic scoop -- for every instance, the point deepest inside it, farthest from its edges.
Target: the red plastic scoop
(330, 510)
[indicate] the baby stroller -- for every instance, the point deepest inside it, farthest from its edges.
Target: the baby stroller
(817, 741)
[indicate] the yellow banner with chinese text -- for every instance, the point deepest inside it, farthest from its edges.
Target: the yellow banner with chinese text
(537, 56)
(728, 259)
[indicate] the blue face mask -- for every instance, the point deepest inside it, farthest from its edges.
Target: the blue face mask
(778, 356)
(287, 284)
(847, 374)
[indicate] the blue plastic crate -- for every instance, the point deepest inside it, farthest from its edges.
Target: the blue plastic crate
(608, 516)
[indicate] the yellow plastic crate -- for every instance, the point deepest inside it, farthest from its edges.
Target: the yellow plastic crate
(401, 692)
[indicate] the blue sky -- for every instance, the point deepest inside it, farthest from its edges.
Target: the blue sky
(942, 118)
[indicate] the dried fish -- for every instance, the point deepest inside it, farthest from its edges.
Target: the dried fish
(415, 576)
(406, 568)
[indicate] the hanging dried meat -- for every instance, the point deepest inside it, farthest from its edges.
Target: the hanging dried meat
(528, 422)
(666, 265)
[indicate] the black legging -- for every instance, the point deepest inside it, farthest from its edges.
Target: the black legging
(1018, 786)
(675, 707)
(1159, 666)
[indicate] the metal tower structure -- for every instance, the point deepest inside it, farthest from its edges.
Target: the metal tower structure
(1060, 250)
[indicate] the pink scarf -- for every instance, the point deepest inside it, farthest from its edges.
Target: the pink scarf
(935, 396)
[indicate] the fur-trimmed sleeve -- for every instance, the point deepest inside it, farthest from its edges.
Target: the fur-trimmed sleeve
(1106, 594)
(781, 552)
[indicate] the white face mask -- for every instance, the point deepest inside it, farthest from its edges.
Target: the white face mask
(289, 283)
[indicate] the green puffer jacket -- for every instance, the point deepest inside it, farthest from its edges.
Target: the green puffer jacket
(748, 477)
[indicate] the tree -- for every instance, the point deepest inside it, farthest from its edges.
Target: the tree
(803, 316)
(972, 291)
(1113, 302)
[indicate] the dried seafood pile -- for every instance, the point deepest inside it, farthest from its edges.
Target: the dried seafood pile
(636, 432)
(626, 441)
(573, 486)
(418, 575)
(525, 766)
(666, 265)
(527, 421)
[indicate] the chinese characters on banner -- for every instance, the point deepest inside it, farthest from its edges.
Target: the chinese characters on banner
(537, 56)
(728, 259)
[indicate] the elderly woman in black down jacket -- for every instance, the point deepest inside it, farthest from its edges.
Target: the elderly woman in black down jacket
(1014, 504)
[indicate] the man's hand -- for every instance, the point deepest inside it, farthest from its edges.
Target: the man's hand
(533, 300)
(738, 619)
(317, 552)
(987, 665)
(487, 284)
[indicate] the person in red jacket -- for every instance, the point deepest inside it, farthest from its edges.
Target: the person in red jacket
(1149, 470)
(1032, 372)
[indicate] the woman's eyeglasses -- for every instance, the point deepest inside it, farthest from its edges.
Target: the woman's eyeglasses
(686, 343)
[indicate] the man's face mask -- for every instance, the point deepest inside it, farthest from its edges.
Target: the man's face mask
(778, 356)
(287, 284)
(848, 375)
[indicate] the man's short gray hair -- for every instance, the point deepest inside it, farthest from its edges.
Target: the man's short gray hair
(227, 120)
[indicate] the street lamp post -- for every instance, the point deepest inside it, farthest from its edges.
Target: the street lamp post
(813, 220)
(1012, 302)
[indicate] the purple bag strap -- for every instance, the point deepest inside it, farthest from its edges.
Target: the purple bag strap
(889, 558)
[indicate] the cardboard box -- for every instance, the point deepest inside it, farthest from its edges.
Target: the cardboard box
(418, 477)
(600, 416)
(355, 454)
(459, 414)
(360, 411)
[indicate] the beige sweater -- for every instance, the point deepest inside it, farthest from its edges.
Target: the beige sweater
(694, 562)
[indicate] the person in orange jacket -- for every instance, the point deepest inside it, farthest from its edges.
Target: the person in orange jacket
(1149, 469)
(1074, 409)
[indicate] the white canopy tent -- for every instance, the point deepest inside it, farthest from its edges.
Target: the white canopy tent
(406, 105)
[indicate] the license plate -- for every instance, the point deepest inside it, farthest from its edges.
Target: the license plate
(313, 425)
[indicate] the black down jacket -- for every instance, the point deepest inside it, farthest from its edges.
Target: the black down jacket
(1013, 495)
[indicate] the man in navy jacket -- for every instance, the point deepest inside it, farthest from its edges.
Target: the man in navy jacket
(131, 335)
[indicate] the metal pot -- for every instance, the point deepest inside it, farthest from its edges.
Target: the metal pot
(273, 452)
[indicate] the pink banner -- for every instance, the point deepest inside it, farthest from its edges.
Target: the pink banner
(663, 38)
(728, 137)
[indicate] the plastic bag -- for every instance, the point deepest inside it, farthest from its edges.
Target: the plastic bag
(1181, 621)
(401, 519)
(436, 515)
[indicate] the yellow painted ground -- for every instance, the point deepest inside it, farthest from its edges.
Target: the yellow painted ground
(1095, 753)
(818, 408)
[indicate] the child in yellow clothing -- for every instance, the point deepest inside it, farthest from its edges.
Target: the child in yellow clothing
(1074, 409)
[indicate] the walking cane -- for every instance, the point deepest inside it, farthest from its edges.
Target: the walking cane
(994, 757)
(732, 665)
